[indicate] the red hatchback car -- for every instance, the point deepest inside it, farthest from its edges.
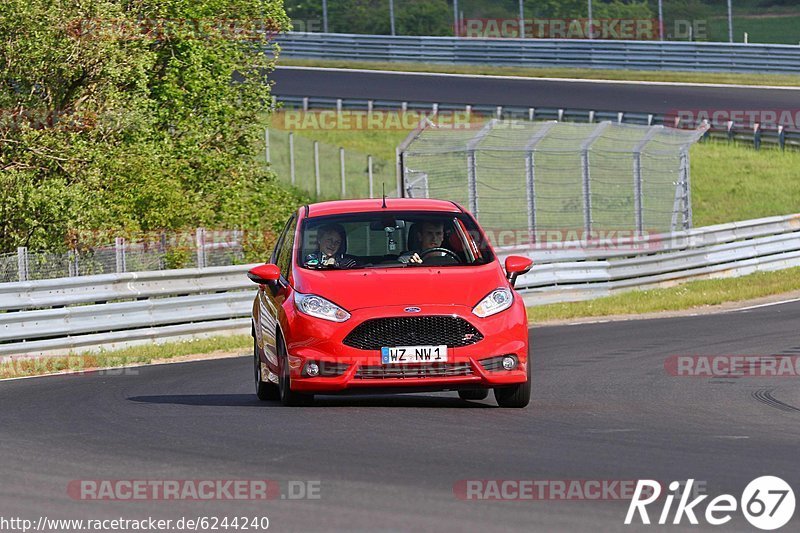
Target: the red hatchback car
(395, 295)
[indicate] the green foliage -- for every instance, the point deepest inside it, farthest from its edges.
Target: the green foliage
(122, 114)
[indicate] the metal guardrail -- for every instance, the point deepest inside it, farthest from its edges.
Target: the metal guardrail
(113, 310)
(575, 53)
(757, 135)
(573, 272)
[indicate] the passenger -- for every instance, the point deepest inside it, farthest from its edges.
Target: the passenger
(331, 245)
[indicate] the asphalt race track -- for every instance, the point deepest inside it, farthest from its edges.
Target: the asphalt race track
(603, 408)
(529, 92)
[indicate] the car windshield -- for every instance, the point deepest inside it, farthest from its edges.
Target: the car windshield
(386, 239)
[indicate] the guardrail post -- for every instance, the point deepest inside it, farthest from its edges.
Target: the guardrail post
(266, 145)
(591, 117)
(200, 243)
(316, 168)
(468, 111)
(291, 158)
(338, 107)
(730, 130)
(370, 105)
(370, 177)
(342, 172)
(22, 263)
(499, 112)
(781, 137)
(404, 107)
(620, 116)
(560, 115)
(119, 249)
(757, 135)
(305, 104)
(435, 109)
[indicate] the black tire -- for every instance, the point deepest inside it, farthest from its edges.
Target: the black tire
(473, 394)
(288, 397)
(266, 391)
(515, 396)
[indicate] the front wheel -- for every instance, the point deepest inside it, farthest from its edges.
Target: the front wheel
(265, 390)
(289, 397)
(515, 395)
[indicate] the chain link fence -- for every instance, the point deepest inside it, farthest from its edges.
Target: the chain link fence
(203, 248)
(571, 178)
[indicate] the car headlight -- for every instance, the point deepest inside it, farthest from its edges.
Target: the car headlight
(319, 307)
(496, 301)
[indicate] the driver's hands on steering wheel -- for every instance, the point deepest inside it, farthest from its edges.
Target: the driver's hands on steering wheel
(410, 257)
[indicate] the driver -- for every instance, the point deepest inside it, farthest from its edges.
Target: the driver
(429, 234)
(331, 243)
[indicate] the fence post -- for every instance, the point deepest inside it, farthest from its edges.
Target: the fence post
(200, 243)
(370, 177)
(637, 178)
(22, 263)
(586, 175)
(342, 172)
(266, 145)
(472, 166)
(316, 168)
(72, 258)
(291, 157)
(119, 248)
(530, 174)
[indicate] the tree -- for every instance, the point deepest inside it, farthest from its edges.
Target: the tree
(124, 114)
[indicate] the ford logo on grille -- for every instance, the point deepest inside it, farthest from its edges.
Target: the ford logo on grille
(412, 309)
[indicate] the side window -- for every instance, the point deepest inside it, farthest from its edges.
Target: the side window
(284, 261)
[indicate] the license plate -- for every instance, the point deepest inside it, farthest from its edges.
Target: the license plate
(398, 355)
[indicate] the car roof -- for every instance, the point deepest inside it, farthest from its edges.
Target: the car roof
(339, 207)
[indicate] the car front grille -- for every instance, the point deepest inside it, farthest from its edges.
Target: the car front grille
(437, 370)
(376, 333)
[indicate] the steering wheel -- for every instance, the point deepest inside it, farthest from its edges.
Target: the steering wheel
(445, 251)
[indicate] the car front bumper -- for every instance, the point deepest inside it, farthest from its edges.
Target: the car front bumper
(319, 341)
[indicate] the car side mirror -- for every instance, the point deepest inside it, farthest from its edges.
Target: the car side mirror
(264, 274)
(517, 265)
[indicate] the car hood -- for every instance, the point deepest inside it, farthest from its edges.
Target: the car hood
(358, 289)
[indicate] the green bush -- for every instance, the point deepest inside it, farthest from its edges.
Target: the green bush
(123, 115)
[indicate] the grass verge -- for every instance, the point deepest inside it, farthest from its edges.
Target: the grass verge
(785, 80)
(690, 295)
(37, 366)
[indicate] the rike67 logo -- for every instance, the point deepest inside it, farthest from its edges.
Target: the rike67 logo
(767, 503)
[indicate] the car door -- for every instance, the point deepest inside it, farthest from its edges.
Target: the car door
(271, 297)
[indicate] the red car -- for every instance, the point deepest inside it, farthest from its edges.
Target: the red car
(392, 295)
